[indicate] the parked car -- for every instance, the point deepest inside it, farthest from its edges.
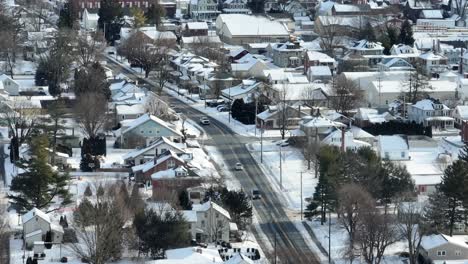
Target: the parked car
(256, 194)
(238, 166)
(223, 108)
(204, 121)
(215, 103)
(282, 143)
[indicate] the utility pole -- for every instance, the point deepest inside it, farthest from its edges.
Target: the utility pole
(281, 168)
(329, 236)
(275, 249)
(256, 112)
(229, 118)
(261, 142)
(302, 200)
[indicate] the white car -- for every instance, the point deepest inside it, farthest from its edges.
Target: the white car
(238, 166)
(204, 121)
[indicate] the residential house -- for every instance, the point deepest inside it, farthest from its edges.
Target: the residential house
(431, 112)
(237, 54)
(318, 127)
(195, 29)
(350, 10)
(203, 9)
(443, 248)
(89, 20)
(406, 52)
(371, 51)
(287, 55)
(236, 7)
(394, 64)
(247, 88)
(167, 183)
(393, 147)
(200, 41)
(413, 8)
(241, 29)
(319, 73)
(460, 114)
(272, 118)
(315, 58)
(153, 150)
(146, 127)
(368, 116)
(212, 222)
(432, 64)
(165, 161)
(295, 8)
(35, 226)
(125, 112)
(9, 85)
(344, 139)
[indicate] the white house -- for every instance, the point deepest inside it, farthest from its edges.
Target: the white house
(287, 55)
(156, 148)
(460, 114)
(236, 7)
(321, 73)
(443, 248)
(431, 112)
(203, 9)
(344, 139)
(393, 147)
(9, 85)
(209, 222)
(36, 224)
(90, 20)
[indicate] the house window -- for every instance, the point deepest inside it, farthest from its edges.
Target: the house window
(203, 223)
(402, 154)
(170, 163)
(441, 253)
(217, 215)
(142, 131)
(457, 253)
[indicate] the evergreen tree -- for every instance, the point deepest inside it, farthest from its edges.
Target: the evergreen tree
(368, 33)
(155, 13)
(48, 240)
(388, 39)
(136, 203)
(91, 79)
(159, 231)
(184, 200)
(256, 6)
(29, 260)
(68, 15)
(311, 210)
(110, 18)
(395, 180)
(453, 187)
(463, 155)
(65, 222)
(436, 212)
(100, 191)
(88, 191)
(406, 33)
(41, 75)
(238, 204)
(39, 185)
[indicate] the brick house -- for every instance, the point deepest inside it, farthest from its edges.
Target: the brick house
(167, 183)
(166, 161)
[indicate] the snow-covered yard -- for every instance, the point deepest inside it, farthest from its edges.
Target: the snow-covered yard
(292, 165)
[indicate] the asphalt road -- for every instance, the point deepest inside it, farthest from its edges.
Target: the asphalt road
(290, 245)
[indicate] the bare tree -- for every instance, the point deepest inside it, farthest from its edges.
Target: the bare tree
(374, 233)
(329, 31)
(310, 150)
(10, 30)
(416, 86)
(90, 47)
(346, 94)
(21, 118)
(460, 8)
(4, 238)
(100, 234)
(413, 227)
(155, 105)
(90, 111)
(283, 108)
(149, 54)
(351, 199)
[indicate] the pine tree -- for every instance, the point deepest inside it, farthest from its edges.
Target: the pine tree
(68, 15)
(100, 191)
(48, 240)
(311, 210)
(368, 33)
(436, 212)
(453, 187)
(88, 191)
(110, 16)
(29, 260)
(406, 34)
(463, 155)
(155, 13)
(39, 185)
(65, 222)
(184, 200)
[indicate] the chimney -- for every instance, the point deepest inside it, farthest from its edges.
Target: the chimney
(464, 132)
(343, 132)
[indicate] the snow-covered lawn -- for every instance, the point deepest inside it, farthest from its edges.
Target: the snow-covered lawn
(292, 165)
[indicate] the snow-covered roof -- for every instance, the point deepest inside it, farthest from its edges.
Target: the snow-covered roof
(319, 56)
(427, 104)
(319, 121)
(124, 109)
(239, 258)
(433, 14)
(137, 152)
(360, 133)
(145, 118)
(34, 233)
(431, 56)
(152, 163)
(319, 71)
(433, 241)
(190, 216)
(249, 25)
(246, 87)
(346, 8)
(197, 25)
(168, 174)
(192, 255)
(366, 45)
(395, 142)
(462, 111)
(206, 206)
(35, 212)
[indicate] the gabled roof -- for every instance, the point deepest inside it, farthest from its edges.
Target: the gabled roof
(462, 110)
(394, 142)
(428, 104)
(145, 118)
(206, 206)
(162, 140)
(152, 163)
(35, 212)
